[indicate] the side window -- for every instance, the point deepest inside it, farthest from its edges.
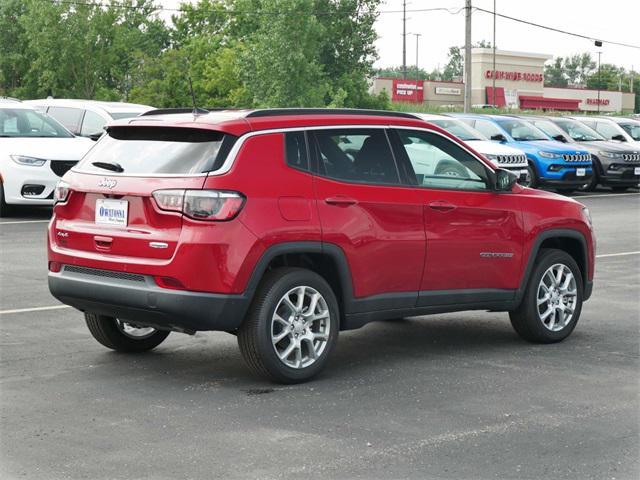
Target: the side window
(488, 129)
(69, 117)
(608, 131)
(438, 162)
(295, 147)
(92, 123)
(356, 155)
(39, 125)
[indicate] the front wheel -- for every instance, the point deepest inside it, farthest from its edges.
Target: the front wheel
(552, 301)
(123, 336)
(292, 326)
(5, 210)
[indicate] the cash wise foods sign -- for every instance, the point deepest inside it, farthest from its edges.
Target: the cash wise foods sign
(408, 91)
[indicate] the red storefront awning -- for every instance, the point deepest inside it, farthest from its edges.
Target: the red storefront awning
(542, 103)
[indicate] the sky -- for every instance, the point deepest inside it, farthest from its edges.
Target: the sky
(613, 20)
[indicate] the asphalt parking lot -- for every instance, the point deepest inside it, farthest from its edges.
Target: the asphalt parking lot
(456, 396)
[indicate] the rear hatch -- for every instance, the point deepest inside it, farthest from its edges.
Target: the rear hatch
(111, 210)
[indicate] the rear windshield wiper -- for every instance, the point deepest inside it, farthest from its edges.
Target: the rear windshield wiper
(114, 167)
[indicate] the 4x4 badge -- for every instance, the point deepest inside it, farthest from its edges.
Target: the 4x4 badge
(107, 183)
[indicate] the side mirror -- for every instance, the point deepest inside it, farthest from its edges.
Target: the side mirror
(505, 180)
(560, 138)
(619, 137)
(499, 137)
(95, 136)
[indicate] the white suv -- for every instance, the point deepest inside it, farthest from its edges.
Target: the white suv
(501, 156)
(610, 128)
(86, 118)
(35, 151)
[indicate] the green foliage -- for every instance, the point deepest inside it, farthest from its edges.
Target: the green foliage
(238, 53)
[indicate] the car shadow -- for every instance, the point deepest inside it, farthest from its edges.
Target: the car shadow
(22, 213)
(206, 362)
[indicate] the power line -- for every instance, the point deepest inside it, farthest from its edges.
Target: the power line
(553, 29)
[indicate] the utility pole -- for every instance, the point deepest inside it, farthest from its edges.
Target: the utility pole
(493, 73)
(467, 56)
(404, 39)
(418, 35)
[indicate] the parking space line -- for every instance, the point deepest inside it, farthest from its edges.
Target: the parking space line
(621, 254)
(34, 309)
(24, 221)
(607, 195)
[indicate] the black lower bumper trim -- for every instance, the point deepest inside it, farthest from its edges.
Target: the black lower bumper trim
(147, 304)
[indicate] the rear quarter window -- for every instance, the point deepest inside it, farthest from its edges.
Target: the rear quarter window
(157, 150)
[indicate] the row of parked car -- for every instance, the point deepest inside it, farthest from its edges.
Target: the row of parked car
(561, 152)
(42, 139)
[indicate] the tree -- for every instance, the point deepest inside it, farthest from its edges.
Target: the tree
(609, 77)
(454, 67)
(554, 74)
(578, 67)
(15, 55)
(412, 73)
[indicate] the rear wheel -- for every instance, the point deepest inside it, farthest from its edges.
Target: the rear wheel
(552, 301)
(292, 326)
(123, 336)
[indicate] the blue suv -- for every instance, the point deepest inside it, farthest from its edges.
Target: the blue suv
(551, 163)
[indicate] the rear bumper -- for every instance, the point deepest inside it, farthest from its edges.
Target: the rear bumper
(139, 299)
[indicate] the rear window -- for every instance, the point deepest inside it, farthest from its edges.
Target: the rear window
(157, 150)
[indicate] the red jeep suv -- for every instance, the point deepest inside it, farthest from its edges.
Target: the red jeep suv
(284, 227)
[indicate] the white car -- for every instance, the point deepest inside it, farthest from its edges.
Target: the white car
(501, 156)
(611, 129)
(35, 151)
(86, 118)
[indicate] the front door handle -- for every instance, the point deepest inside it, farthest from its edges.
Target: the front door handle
(442, 206)
(341, 200)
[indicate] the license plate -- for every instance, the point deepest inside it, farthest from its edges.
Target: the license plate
(112, 212)
(636, 171)
(524, 173)
(581, 172)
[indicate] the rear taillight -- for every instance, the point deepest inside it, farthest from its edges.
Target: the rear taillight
(211, 205)
(61, 192)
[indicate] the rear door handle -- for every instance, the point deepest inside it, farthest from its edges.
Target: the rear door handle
(442, 206)
(341, 200)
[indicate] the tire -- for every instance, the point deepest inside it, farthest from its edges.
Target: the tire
(5, 210)
(534, 181)
(593, 182)
(530, 176)
(527, 319)
(269, 359)
(111, 333)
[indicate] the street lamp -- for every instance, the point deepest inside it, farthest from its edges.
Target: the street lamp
(418, 35)
(598, 43)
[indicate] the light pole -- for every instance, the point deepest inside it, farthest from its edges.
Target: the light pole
(418, 35)
(598, 43)
(467, 56)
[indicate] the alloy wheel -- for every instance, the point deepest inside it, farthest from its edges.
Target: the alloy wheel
(556, 297)
(300, 327)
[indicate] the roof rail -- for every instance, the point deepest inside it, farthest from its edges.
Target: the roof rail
(170, 111)
(274, 112)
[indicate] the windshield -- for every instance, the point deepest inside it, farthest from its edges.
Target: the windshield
(459, 129)
(154, 150)
(550, 128)
(579, 132)
(521, 131)
(119, 115)
(632, 129)
(23, 122)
